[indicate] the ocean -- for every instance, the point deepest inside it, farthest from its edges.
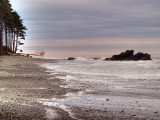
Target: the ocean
(130, 86)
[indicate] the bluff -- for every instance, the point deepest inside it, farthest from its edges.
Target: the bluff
(129, 55)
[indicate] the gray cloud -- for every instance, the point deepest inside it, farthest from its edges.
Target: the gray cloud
(83, 19)
(93, 18)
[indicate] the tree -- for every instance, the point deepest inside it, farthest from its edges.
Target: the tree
(1, 25)
(18, 29)
(12, 25)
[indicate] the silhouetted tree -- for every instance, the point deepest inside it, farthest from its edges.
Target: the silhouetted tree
(12, 26)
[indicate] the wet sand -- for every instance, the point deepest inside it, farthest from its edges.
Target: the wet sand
(23, 82)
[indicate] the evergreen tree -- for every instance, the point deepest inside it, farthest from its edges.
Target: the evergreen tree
(12, 25)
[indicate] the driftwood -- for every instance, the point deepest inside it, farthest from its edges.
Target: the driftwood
(37, 53)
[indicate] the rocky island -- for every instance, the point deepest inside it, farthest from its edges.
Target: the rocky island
(129, 55)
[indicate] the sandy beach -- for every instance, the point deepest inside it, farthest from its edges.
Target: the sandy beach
(23, 82)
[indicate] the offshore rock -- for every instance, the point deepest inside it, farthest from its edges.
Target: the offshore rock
(71, 58)
(142, 56)
(96, 58)
(124, 55)
(129, 55)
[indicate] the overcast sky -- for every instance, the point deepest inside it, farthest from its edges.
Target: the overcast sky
(90, 27)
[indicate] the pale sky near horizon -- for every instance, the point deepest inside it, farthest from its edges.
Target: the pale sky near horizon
(90, 27)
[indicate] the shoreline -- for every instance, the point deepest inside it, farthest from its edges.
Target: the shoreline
(123, 98)
(23, 81)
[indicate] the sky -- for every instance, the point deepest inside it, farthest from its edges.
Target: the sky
(92, 28)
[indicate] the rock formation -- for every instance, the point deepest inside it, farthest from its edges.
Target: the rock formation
(71, 58)
(96, 58)
(129, 55)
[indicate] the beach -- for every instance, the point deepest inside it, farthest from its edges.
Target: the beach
(25, 83)
(22, 82)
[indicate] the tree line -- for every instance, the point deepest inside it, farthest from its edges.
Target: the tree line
(12, 30)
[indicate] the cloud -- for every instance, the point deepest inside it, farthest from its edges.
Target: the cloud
(90, 19)
(73, 19)
(96, 45)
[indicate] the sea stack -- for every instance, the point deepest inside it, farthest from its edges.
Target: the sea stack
(129, 55)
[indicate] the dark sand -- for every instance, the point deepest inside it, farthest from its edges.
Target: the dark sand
(23, 81)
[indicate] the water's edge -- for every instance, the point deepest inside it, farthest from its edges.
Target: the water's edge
(131, 86)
